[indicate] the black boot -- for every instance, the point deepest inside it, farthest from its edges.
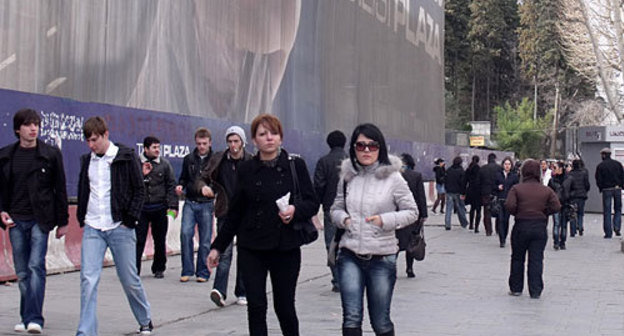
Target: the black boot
(388, 333)
(351, 331)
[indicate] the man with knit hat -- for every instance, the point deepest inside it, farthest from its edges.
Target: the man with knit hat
(610, 180)
(220, 178)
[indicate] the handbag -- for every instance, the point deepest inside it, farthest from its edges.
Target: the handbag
(332, 251)
(416, 245)
(495, 206)
(306, 231)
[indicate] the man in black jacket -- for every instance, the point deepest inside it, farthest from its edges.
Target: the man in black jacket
(160, 198)
(326, 177)
(610, 180)
(33, 201)
(578, 194)
(455, 186)
(220, 178)
(110, 198)
(487, 176)
(198, 209)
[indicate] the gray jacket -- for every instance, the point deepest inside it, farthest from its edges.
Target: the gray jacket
(374, 190)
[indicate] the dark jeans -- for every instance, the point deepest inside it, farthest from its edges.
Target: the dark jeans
(608, 195)
(475, 216)
(329, 231)
(284, 268)
(30, 245)
(559, 229)
(160, 223)
(487, 215)
(528, 236)
(223, 270)
(580, 213)
(502, 223)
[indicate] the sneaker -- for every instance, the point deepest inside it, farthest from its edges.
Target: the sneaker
(515, 293)
(146, 329)
(185, 278)
(242, 301)
(200, 279)
(217, 297)
(34, 328)
(20, 327)
(159, 275)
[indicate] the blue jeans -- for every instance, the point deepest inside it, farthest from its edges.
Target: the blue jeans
(200, 214)
(30, 245)
(377, 276)
(454, 201)
(223, 270)
(580, 213)
(607, 196)
(559, 229)
(122, 244)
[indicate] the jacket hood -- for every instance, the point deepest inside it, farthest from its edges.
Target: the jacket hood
(347, 172)
(530, 171)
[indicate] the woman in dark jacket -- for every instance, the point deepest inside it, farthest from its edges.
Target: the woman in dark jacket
(440, 177)
(415, 182)
(266, 239)
(531, 203)
(473, 192)
(506, 179)
(578, 194)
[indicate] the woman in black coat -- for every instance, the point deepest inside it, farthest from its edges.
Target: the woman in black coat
(266, 240)
(506, 179)
(415, 182)
(473, 193)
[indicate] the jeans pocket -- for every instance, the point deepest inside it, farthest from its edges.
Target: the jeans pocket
(390, 259)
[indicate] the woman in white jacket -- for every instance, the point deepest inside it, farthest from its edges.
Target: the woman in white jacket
(377, 202)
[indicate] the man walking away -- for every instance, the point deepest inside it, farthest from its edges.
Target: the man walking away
(455, 193)
(487, 176)
(197, 210)
(160, 197)
(610, 179)
(110, 199)
(326, 177)
(578, 194)
(33, 201)
(220, 178)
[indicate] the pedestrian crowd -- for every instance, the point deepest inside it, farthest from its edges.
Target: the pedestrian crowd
(374, 206)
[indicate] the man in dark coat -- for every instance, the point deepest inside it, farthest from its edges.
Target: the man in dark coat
(455, 186)
(326, 177)
(578, 194)
(610, 180)
(33, 201)
(415, 182)
(487, 176)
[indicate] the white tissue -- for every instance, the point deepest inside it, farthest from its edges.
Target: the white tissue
(282, 202)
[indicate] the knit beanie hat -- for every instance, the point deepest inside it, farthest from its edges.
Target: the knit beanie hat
(238, 131)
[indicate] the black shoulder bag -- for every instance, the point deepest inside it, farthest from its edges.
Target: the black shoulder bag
(332, 251)
(306, 231)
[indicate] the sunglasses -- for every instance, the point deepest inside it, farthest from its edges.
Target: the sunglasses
(372, 146)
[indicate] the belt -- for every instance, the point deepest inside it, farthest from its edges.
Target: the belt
(365, 257)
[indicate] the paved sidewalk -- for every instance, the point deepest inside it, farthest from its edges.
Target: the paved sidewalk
(460, 289)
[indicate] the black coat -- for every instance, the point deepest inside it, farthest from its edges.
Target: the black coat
(609, 174)
(253, 215)
(511, 180)
(192, 167)
(415, 182)
(487, 176)
(473, 186)
(127, 188)
(580, 184)
(440, 174)
(46, 185)
(455, 180)
(327, 175)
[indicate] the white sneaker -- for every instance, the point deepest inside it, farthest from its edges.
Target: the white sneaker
(20, 327)
(242, 301)
(217, 297)
(34, 328)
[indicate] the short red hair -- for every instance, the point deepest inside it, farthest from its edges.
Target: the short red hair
(270, 122)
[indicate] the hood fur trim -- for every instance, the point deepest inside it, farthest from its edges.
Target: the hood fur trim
(347, 172)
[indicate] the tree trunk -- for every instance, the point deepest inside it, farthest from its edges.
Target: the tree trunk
(553, 142)
(535, 97)
(474, 91)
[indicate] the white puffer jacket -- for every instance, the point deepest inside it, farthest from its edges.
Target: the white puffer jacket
(373, 190)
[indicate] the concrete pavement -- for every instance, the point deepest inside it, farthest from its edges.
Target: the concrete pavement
(459, 289)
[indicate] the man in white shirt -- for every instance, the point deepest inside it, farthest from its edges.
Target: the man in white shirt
(546, 173)
(110, 198)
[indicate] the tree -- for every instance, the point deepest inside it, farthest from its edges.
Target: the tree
(457, 63)
(517, 131)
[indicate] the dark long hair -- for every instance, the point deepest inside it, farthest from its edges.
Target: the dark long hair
(474, 161)
(372, 132)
